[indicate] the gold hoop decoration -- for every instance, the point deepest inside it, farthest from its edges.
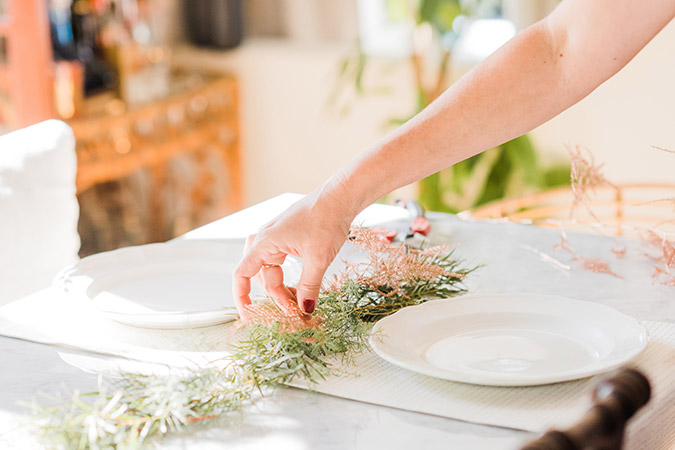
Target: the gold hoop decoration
(268, 266)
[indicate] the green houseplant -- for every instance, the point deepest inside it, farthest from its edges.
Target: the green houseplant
(510, 169)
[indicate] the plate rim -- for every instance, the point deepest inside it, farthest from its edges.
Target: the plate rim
(376, 344)
(76, 279)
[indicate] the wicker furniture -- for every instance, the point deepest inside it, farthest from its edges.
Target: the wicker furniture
(160, 169)
(621, 210)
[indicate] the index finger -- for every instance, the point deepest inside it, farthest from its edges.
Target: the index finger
(248, 267)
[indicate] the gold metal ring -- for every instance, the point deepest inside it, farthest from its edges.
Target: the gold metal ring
(267, 266)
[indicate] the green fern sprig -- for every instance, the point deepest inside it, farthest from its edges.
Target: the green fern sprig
(133, 410)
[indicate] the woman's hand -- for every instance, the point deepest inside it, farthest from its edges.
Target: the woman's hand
(313, 229)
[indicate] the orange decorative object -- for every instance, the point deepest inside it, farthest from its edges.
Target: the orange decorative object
(421, 225)
(29, 71)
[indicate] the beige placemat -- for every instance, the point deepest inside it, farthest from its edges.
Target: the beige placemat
(537, 408)
(50, 318)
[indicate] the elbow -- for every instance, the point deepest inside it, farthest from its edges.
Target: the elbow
(573, 74)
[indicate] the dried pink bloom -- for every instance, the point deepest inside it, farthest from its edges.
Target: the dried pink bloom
(266, 312)
(619, 252)
(436, 250)
(388, 270)
(593, 264)
(393, 271)
(585, 176)
(597, 265)
(665, 257)
(390, 267)
(667, 278)
(369, 239)
(387, 235)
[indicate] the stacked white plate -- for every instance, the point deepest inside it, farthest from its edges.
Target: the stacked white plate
(179, 284)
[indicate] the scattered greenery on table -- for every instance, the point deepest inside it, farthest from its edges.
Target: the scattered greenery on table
(273, 347)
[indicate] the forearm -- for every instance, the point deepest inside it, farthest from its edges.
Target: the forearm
(511, 92)
(541, 72)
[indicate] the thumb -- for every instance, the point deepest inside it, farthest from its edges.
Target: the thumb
(310, 284)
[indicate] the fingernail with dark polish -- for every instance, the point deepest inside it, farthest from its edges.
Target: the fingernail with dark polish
(308, 305)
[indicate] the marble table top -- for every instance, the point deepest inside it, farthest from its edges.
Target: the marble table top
(298, 419)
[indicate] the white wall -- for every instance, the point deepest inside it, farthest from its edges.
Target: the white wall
(625, 116)
(292, 143)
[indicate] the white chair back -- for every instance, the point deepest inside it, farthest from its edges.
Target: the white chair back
(38, 207)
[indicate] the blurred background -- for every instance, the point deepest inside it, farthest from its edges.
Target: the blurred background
(187, 110)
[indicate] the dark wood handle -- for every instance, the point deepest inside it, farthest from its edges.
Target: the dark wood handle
(616, 400)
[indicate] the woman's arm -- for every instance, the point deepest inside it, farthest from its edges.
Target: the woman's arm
(538, 74)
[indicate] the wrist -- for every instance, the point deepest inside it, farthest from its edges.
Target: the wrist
(340, 198)
(364, 180)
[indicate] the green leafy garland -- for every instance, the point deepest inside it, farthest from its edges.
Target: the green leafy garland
(133, 410)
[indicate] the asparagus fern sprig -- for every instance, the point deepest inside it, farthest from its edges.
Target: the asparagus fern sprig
(133, 410)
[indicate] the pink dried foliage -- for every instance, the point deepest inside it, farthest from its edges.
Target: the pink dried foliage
(266, 312)
(385, 234)
(664, 269)
(394, 266)
(596, 265)
(387, 265)
(666, 278)
(585, 176)
(374, 240)
(619, 252)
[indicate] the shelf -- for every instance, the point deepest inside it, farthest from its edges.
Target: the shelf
(111, 147)
(157, 170)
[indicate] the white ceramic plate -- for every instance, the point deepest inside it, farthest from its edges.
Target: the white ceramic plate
(179, 284)
(509, 339)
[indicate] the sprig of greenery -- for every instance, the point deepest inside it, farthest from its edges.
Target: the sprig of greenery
(370, 304)
(133, 410)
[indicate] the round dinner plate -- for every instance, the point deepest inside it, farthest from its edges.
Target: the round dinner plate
(509, 339)
(179, 284)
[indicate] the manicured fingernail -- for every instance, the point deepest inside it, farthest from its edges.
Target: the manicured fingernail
(308, 305)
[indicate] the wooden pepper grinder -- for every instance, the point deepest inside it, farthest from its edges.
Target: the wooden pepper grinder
(602, 428)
